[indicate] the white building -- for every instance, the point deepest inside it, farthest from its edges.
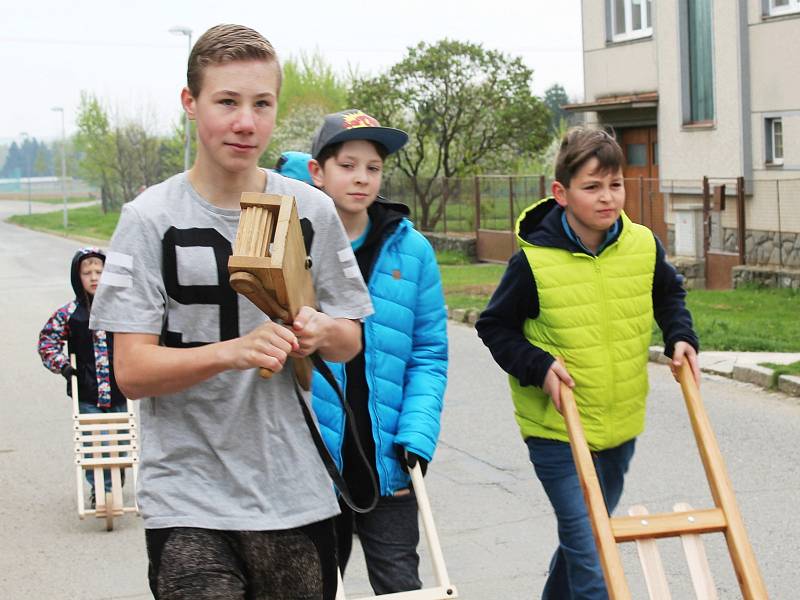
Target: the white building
(698, 88)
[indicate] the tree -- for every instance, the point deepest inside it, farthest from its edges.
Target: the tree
(554, 98)
(467, 110)
(122, 156)
(29, 159)
(95, 142)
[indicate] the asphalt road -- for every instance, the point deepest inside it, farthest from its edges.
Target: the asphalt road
(494, 521)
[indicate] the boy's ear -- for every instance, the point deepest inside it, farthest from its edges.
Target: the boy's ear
(317, 174)
(187, 101)
(560, 193)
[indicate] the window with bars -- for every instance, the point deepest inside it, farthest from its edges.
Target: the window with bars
(630, 19)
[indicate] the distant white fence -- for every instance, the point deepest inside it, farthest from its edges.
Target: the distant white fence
(44, 187)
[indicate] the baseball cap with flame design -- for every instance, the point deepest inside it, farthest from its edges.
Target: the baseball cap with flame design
(355, 124)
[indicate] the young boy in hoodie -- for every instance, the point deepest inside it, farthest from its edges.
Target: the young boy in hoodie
(395, 386)
(97, 389)
(585, 286)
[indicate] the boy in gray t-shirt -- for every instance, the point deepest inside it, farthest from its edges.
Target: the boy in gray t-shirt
(230, 479)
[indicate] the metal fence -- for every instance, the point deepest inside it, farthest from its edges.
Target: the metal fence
(462, 205)
(673, 209)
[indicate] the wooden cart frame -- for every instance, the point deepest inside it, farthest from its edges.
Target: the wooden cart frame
(685, 523)
(443, 589)
(104, 441)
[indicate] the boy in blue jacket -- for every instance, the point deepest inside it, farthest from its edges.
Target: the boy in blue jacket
(396, 385)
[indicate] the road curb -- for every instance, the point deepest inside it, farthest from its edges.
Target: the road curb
(754, 374)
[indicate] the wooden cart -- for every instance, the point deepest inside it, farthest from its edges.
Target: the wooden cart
(685, 522)
(104, 441)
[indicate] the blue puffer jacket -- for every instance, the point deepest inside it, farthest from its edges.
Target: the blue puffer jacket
(405, 354)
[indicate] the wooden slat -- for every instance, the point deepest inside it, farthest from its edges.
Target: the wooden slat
(99, 492)
(116, 490)
(79, 478)
(95, 450)
(105, 427)
(629, 529)
(111, 437)
(696, 559)
(122, 461)
(120, 417)
(598, 513)
(650, 559)
(742, 556)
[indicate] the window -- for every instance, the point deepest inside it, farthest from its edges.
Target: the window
(631, 19)
(636, 155)
(774, 141)
(783, 7)
(699, 62)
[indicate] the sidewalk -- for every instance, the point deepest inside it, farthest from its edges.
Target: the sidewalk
(744, 366)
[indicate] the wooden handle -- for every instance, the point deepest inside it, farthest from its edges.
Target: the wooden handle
(744, 562)
(249, 286)
(607, 550)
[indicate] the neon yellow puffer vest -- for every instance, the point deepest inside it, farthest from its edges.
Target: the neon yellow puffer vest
(596, 313)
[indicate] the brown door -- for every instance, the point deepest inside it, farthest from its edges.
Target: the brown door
(644, 202)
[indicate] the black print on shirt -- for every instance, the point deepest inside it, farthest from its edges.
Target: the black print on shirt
(222, 295)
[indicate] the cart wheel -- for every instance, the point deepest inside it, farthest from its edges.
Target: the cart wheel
(109, 512)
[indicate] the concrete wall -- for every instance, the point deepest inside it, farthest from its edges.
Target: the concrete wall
(611, 69)
(775, 88)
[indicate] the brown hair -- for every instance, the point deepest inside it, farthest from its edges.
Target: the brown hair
(332, 150)
(581, 144)
(227, 43)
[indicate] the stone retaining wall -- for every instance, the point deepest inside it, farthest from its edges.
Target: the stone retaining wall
(463, 244)
(766, 247)
(692, 269)
(766, 276)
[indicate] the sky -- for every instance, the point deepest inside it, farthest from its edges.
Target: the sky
(122, 51)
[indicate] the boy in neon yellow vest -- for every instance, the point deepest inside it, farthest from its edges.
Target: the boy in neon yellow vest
(586, 286)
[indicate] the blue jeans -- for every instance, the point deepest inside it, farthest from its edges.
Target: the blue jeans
(575, 571)
(91, 408)
(389, 535)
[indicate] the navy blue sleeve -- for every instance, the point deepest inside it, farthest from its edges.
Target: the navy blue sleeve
(500, 324)
(669, 304)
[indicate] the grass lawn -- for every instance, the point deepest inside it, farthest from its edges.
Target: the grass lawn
(88, 221)
(748, 320)
(469, 286)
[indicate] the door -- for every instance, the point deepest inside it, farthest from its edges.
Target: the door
(644, 202)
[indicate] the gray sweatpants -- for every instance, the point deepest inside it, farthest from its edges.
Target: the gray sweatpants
(205, 564)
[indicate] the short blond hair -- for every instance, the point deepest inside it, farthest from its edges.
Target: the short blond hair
(227, 43)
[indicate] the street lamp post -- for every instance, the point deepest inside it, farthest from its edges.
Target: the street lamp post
(63, 163)
(179, 30)
(24, 135)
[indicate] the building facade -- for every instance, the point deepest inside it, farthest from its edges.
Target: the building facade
(702, 88)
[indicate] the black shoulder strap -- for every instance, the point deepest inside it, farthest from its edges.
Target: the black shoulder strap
(322, 449)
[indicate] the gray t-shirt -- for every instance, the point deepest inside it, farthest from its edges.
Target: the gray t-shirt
(233, 452)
